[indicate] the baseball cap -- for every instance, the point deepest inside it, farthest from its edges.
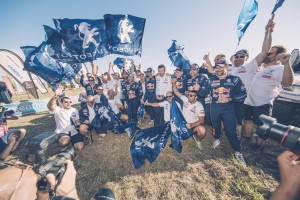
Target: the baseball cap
(242, 51)
(221, 63)
(178, 69)
(194, 66)
(149, 70)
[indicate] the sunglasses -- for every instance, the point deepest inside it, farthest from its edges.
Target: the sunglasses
(168, 96)
(99, 89)
(239, 56)
(271, 53)
(67, 101)
(192, 95)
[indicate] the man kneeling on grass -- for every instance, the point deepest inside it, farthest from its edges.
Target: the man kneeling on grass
(66, 118)
(193, 112)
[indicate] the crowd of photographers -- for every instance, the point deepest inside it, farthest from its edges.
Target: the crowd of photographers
(238, 95)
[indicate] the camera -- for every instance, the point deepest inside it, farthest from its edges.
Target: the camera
(40, 145)
(288, 136)
(56, 167)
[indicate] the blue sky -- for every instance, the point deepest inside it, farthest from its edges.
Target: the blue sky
(201, 25)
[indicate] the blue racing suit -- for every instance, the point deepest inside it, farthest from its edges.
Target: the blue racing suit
(90, 90)
(133, 93)
(233, 88)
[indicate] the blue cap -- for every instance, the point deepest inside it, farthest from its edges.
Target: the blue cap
(221, 63)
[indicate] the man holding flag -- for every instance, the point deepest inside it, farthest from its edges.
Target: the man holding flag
(193, 112)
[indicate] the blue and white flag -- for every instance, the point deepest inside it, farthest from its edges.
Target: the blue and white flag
(178, 57)
(84, 40)
(247, 14)
(119, 62)
(141, 111)
(178, 128)
(148, 143)
(124, 34)
(277, 5)
(39, 62)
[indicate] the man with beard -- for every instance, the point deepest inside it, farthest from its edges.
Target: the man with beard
(225, 90)
(276, 72)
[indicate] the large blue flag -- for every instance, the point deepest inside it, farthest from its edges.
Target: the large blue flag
(277, 5)
(119, 62)
(178, 57)
(148, 143)
(124, 34)
(247, 14)
(84, 40)
(39, 62)
(178, 128)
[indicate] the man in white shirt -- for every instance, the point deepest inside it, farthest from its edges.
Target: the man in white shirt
(115, 103)
(163, 85)
(276, 72)
(246, 70)
(66, 118)
(193, 113)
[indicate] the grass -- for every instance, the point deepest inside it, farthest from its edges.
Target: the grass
(193, 174)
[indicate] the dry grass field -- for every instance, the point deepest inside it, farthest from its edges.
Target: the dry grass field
(193, 174)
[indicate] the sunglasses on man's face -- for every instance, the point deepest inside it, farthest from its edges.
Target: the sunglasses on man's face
(67, 101)
(168, 96)
(239, 56)
(192, 95)
(91, 79)
(99, 89)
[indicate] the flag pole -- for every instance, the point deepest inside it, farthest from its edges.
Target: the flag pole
(272, 18)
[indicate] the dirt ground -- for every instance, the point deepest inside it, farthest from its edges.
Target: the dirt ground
(192, 174)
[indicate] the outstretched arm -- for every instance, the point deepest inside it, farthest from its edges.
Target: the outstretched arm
(52, 103)
(288, 73)
(267, 41)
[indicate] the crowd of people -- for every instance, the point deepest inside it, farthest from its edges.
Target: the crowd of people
(239, 93)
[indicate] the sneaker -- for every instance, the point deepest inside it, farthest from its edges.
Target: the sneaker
(199, 145)
(216, 143)
(239, 157)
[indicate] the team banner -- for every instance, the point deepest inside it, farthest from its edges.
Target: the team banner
(148, 143)
(119, 62)
(277, 5)
(178, 57)
(39, 62)
(124, 34)
(247, 14)
(83, 40)
(13, 65)
(178, 128)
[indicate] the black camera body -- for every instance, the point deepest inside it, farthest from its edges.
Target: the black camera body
(40, 145)
(56, 167)
(288, 136)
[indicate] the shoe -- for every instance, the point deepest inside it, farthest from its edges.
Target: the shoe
(199, 145)
(239, 157)
(216, 143)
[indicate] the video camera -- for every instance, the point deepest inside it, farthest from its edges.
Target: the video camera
(56, 167)
(40, 145)
(288, 136)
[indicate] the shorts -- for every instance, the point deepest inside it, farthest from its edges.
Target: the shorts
(239, 112)
(253, 113)
(77, 138)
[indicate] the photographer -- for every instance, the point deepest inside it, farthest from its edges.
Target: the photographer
(289, 167)
(19, 182)
(9, 138)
